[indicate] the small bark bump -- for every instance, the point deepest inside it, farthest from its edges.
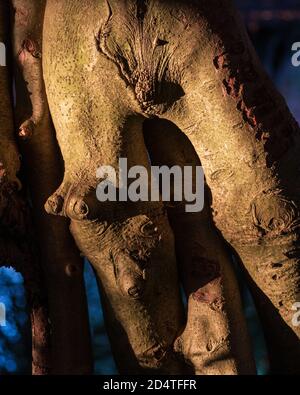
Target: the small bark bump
(72, 270)
(26, 130)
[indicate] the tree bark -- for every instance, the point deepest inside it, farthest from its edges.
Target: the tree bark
(130, 245)
(97, 123)
(215, 339)
(61, 262)
(248, 143)
(17, 248)
(186, 62)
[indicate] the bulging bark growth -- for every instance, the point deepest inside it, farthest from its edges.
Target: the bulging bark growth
(165, 83)
(215, 339)
(248, 143)
(130, 245)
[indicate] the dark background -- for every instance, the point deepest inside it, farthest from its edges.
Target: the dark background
(274, 25)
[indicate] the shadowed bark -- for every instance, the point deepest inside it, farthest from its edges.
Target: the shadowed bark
(215, 339)
(17, 248)
(61, 262)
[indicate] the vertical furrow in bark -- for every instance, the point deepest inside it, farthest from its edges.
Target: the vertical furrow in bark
(61, 262)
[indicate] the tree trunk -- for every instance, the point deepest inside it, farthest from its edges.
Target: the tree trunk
(215, 339)
(16, 234)
(248, 143)
(130, 245)
(61, 262)
(106, 68)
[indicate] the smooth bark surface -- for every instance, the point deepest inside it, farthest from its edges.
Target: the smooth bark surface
(130, 245)
(215, 339)
(248, 143)
(97, 123)
(162, 82)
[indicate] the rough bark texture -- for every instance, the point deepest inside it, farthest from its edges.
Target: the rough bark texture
(61, 262)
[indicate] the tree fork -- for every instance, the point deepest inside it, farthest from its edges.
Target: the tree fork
(130, 244)
(190, 63)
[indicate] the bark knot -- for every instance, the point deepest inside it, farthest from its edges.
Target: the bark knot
(145, 62)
